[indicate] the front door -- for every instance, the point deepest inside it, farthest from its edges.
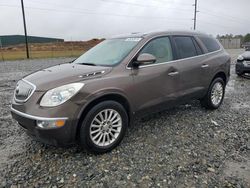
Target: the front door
(156, 84)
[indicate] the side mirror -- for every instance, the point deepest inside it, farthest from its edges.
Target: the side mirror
(144, 59)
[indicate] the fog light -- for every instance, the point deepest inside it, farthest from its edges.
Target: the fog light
(50, 124)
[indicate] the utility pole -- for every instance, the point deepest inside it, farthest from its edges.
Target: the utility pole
(1, 46)
(195, 13)
(25, 31)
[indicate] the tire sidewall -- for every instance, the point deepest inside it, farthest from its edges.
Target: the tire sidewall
(216, 80)
(85, 138)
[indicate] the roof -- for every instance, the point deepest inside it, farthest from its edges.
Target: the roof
(157, 33)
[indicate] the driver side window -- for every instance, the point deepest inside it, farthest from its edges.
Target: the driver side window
(160, 48)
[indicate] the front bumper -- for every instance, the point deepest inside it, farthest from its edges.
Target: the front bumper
(241, 68)
(53, 136)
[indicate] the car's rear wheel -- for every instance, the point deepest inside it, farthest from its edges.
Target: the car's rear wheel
(215, 94)
(104, 127)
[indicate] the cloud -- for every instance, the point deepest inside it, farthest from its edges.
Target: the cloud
(85, 19)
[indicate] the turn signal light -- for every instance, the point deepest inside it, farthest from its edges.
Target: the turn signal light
(48, 124)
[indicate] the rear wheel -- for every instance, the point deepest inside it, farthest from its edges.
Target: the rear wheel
(104, 127)
(215, 94)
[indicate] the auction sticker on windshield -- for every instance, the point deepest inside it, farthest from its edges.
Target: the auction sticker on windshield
(133, 39)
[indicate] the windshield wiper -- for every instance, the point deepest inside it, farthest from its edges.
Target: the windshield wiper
(91, 64)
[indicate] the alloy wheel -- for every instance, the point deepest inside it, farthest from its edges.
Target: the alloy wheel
(105, 127)
(217, 93)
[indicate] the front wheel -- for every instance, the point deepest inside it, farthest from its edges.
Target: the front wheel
(215, 94)
(104, 127)
(239, 74)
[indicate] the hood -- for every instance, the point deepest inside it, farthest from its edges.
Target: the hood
(63, 74)
(246, 55)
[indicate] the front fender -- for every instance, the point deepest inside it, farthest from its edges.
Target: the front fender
(100, 94)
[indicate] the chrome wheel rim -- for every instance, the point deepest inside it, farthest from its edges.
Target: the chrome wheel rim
(105, 127)
(217, 93)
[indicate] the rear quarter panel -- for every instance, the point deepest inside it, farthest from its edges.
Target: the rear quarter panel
(218, 62)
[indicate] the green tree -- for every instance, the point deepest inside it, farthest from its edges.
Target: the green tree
(247, 38)
(239, 36)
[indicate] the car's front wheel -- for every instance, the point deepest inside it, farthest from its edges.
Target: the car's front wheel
(239, 74)
(215, 94)
(104, 127)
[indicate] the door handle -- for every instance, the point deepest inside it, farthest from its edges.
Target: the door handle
(173, 73)
(204, 66)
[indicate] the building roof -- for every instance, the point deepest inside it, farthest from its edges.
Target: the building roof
(8, 40)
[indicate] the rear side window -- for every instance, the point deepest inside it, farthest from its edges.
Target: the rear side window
(160, 48)
(185, 46)
(198, 48)
(210, 43)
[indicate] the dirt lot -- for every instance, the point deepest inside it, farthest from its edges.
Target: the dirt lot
(187, 146)
(47, 50)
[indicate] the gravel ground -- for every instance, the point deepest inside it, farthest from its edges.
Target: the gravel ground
(186, 146)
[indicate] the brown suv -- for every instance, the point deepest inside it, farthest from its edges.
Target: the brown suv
(94, 98)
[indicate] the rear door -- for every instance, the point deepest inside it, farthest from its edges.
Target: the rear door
(192, 66)
(214, 60)
(156, 83)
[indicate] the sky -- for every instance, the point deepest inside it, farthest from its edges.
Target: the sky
(87, 19)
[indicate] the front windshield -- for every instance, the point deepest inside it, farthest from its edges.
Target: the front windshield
(109, 52)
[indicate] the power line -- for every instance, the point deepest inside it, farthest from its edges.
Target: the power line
(122, 3)
(224, 15)
(218, 25)
(141, 5)
(238, 21)
(85, 11)
(204, 10)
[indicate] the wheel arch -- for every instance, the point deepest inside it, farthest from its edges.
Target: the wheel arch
(117, 97)
(220, 74)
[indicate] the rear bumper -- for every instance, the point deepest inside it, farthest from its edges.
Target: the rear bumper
(54, 136)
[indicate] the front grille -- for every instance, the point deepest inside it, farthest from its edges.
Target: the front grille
(23, 91)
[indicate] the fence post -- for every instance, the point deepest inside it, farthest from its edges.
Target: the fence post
(71, 42)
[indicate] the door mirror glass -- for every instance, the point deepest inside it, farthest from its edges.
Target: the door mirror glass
(145, 58)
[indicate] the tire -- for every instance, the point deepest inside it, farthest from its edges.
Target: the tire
(100, 131)
(209, 101)
(239, 74)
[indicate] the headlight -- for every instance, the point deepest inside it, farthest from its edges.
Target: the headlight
(240, 58)
(59, 95)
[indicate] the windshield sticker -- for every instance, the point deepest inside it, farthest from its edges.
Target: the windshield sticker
(133, 39)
